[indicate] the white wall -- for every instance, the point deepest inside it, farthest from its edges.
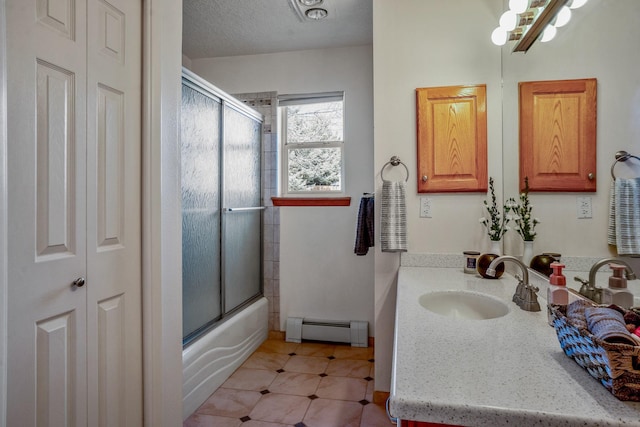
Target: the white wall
(424, 43)
(320, 277)
(186, 61)
(162, 214)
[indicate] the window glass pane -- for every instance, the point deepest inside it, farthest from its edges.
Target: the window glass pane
(315, 169)
(320, 122)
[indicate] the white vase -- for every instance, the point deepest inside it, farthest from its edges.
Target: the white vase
(527, 254)
(496, 247)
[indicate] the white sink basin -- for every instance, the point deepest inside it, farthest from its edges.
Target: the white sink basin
(464, 305)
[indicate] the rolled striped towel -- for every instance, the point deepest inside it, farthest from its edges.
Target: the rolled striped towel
(393, 217)
(608, 325)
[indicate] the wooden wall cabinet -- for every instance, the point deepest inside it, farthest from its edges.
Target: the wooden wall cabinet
(452, 139)
(558, 135)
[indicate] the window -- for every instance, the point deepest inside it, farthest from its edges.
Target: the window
(312, 129)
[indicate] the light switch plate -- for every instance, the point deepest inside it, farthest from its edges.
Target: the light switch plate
(583, 204)
(425, 207)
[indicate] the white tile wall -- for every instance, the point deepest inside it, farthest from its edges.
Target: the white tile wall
(267, 103)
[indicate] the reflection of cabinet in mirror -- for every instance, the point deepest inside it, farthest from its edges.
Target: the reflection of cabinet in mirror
(558, 135)
(452, 139)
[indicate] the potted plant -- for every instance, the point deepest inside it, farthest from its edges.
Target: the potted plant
(497, 220)
(524, 222)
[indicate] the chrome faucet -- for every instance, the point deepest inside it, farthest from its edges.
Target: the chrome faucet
(589, 288)
(525, 295)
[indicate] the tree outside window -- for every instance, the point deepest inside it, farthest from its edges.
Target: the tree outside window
(313, 144)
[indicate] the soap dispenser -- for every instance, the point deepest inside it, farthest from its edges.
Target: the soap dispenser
(557, 293)
(617, 292)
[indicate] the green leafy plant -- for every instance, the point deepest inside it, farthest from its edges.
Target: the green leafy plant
(497, 222)
(525, 223)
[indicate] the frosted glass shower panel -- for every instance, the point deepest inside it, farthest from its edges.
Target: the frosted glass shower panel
(242, 228)
(200, 154)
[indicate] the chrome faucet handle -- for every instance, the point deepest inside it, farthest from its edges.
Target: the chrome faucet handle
(597, 295)
(518, 294)
(581, 280)
(530, 302)
(585, 289)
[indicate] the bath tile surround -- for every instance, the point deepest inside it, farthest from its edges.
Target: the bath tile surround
(288, 384)
(266, 103)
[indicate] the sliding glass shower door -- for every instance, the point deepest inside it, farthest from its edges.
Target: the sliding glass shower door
(242, 216)
(221, 206)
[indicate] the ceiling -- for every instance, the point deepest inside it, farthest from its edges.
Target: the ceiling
(215, 28)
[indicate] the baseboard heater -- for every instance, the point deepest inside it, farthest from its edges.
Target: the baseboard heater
(355, 332)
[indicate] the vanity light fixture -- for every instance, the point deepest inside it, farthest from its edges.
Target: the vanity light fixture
(529, 20)
(316, 13)
(310, 3)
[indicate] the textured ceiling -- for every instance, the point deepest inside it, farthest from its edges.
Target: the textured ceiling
(214, 28)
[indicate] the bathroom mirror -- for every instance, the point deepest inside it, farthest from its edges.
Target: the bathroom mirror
(598, 42)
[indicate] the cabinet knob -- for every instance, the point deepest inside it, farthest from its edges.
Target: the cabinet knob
(78, 283)
(424, 178)
(590, 176)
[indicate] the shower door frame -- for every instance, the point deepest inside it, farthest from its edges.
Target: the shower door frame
(206, 88)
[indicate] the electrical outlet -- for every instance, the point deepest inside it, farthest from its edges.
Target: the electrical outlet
(583, 205)
(425, 207)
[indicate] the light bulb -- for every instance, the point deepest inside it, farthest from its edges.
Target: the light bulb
(499, 36)
(577, 3)
(549, 33)
(508, 20)
(316, 13)
(563, 17)
(518, 6)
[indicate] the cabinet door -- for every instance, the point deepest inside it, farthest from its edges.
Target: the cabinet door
(558, 135)
(452, 139)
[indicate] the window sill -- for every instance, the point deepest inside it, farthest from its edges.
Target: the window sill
(311, 201)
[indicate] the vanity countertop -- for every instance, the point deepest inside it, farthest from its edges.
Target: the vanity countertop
(508, 371)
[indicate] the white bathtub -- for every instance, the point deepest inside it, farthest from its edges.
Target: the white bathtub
(208, 362)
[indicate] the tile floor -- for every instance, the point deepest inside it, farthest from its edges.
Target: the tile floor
(302, 385)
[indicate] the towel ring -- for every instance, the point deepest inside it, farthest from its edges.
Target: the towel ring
(394, 161)
(621, 156)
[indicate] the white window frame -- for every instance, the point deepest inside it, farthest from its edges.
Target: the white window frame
(299, 99)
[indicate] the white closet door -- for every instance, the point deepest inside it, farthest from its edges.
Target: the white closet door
(71, 356)
(114, 339)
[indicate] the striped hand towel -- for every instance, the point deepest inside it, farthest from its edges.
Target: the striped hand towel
(611, 228)
(393, 217)
(624, 216)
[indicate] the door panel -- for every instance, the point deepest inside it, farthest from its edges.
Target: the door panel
(242, 254)
(56, 168)
(114, 339)
(46, 132)
(242, 229)
(109, 167)
(55, 351)
(200, 157)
